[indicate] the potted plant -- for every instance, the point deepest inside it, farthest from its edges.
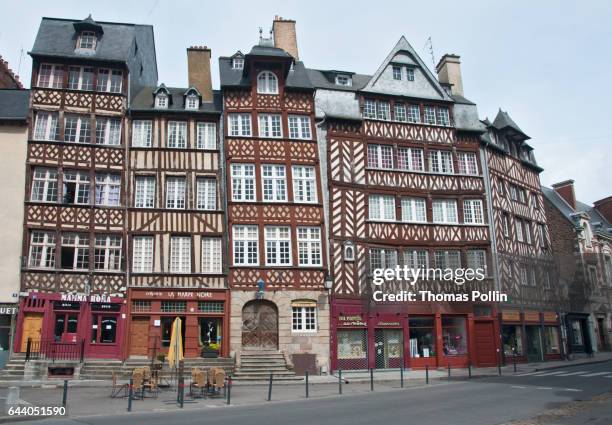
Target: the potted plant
(210, 351)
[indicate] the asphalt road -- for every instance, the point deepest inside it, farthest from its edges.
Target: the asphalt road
(485, 401)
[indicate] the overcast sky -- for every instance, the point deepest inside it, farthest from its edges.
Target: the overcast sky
(548, 63)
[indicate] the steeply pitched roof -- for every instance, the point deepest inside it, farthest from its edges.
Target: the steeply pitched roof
(597, 221)
(327, 79)
(503, 122)
(230, 77)
(144, 101)
(6, 70)
(14, 104)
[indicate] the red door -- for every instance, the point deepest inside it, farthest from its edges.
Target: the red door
(484, 335)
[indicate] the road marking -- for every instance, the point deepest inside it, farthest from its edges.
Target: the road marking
(550, 373)
(575, 373)
(572, 389)
(528, 374)
(595, 374)
(517, 386)
(544, 388)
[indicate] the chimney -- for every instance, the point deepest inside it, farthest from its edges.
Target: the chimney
(284, 36)
(604, 207)
(449, 72)
(565, 190)
(198, 70)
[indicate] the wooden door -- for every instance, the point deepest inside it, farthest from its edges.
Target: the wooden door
(32, 328)
(484, 336)
(259, 326)
(139, 336)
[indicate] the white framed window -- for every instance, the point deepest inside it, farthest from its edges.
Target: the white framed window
(369, 108)
(444, 211)
(180, 254)
(243, 182)
(382, 207)
(304, 184)
(416, 259)
(344, 80)
(447, 259)
(51, 76)
(472, 211)
(299, 127)
(240, 125)
(270, 125)
(76, 187)
(410, 159)
(414, 114)
(42, 250)
(527, 225)
(110, 81)
(410, 74)
(80, 78)
(303, 319)
(74, 251)
(87, 40)
(506, 225)
(142, 254)
(383, 110)
(108, 131)
(206, 137)
(44, 185)
(430, 115)
(246, 245)
(238, 63)
(309, 246)
(274, 183)
(442, 117)
(380, 156)
(278, 246)
(211, 255)
(108, 189)
(397, 72)
(175, 193)
(413, 210)
(177, 134)
(144, 193)
(107, 252)
(142, 133)
(267, 83)
(77, 128)
(46, 127)
(400, 112)
(161, 101)
(192, 102)
(519, 229)
(476, 259)
(441, 162)
(382, 258)
(206, 191)
(466, 163)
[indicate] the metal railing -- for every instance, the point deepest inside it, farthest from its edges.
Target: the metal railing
(54, 350)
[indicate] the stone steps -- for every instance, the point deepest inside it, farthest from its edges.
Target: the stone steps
(257, 365)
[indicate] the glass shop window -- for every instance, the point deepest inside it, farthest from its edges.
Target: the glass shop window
(422, 337)
(454, 336)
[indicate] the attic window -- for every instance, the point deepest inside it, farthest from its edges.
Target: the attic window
(410, 73)
(192, 102)
(161, 101)
(238, 63)
(267, 83)
(343, 80)
(87, 40)
(397, 72)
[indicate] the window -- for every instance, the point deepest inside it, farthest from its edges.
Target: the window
(175, 192)
(42, 250)
(447, 259)
(144, 196)
(211, 255)
(546, 275)
(588, 234)
(410, 159)
(524, 277)
(243, 182)
(551, 335)
(472, 211)
(210, 306)
(416, 259)
(309, 246)
(410, 74)
(443, 116)
(380, 156)
(270, 125)
(80, 78)
(534, 201)
(441, 162)
(506, 223)
(161, 101)
(397, 72)
(206, 188)
(278, 246)
(74, 252)
(77, 129)
(519, 229)
(142, 131)
(476, 259)
(349, 251)
(304, 319)
(46, 127)
(87, 40)
(274, 183)
(382, 259)
(400, 112)
(107, 252)
(142, 257)
(466, 163)
(174, 307)
(141, 306)
(180, 254)
(413, 210)
(304, 184)
(444, 211)
(454, 336)
(206, 135)
(238, 63)
(414, 114)
(192, 102)
(430, 115)
(383, 111)
(44, 185)
(382, 207)
(108, 189)
(344, 80)
(240, 125)
(105, 331)
(267, 83)
(422, 332)
(76, 187)
(51, 76)
(527, 225)
(108, 131)
(521, 193)
(501, 188)
(512, 340)
(299, 127)
(177, 134)
(246, 245)
(109, 80)
(369, 108)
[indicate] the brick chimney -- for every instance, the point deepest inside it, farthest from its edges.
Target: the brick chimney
(565, 190)
(198, 70)
(285, 36)
(604, 207)
(449, 72)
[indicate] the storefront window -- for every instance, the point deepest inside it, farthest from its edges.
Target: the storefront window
(166, 328)
(65, 323)
(552, 339)
(454, 336)
(512, 337)
(577, 338)
(352, 347)
(389, 347)
(5, 331)
(103, 329)
(210, 332)
(422, 337)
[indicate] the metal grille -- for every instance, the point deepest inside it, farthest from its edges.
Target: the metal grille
(352, 349)
(389, 349)
(260, 325)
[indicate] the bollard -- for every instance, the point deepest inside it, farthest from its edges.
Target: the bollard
(469, 370)
(499, 368)
(426, 374)
(229, 389)
(402, 376)
(13, 397)
(306, 384)
(340, 381)
(181, 391)
(371, 379)
(270, 388)
(514, 361)
(65, 394)
(449, 372)
(130, 394)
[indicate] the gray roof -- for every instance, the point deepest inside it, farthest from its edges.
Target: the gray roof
(14, 104)
(144, 101)
(268, 51)
(503, 122)
(462, 100)
(297, 78)
(327, 79)
(597, 221)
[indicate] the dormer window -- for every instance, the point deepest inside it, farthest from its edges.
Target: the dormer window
(192, 102)
(238, 63)
(410, 73)
(397, 72)
(87, 40)
(267, 83)
(161, 101)
(344, 80)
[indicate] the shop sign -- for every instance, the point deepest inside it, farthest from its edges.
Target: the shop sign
(197, 295)
(511, 316)
(550, 316)
(8, 309)
(389, 324)
(531, 316)
(351, 321)
(66, 305)
(105, 307)
(94, 298)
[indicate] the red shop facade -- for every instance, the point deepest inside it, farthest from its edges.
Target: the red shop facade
(414, 335)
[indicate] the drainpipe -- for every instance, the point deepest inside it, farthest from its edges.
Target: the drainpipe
(489, 195)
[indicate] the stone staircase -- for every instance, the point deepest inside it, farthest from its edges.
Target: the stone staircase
(257, 365)
(14, 368)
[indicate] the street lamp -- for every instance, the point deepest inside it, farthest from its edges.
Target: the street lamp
(261, 285)
(329, 282)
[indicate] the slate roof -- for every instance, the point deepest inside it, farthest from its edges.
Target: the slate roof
(144, 101)
(14, 104)
(322, 79)
(503, 122)
(297, 78)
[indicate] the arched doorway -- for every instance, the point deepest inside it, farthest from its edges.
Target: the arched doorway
(259, 325)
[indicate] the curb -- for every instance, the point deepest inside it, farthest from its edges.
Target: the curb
(571, 365)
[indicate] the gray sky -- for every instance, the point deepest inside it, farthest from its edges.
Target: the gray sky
(546, 62)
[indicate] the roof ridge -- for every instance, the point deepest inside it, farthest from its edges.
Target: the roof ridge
(10, 72)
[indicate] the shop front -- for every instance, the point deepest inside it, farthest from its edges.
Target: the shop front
(8, 313)
(530, 336)
(204, 319)
(578, 333)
